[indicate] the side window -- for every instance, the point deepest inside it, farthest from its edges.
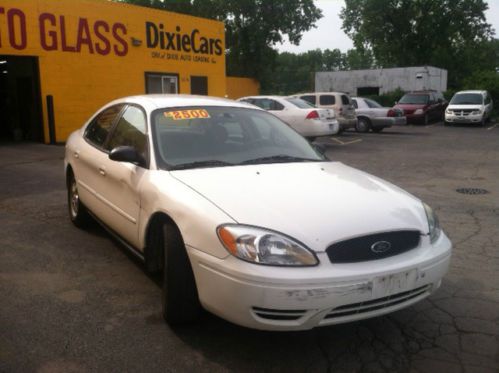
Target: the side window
(274, 105)
(309, 98)
(345, 100)
(130, 131)
(354, 103)
(263, 103)
(98, 130)
(487, 99)
(327, 100)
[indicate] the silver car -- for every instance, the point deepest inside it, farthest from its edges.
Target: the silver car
(373, 116)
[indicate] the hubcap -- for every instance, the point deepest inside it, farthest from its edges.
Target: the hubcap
(362, 125)
(74, 199)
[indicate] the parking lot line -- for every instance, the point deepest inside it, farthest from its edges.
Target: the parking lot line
(345, 143)
(490, 128)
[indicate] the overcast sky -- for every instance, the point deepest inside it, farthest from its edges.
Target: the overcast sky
(329, 35)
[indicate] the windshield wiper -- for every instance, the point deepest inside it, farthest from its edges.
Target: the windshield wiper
(279, 159)
(201, 164)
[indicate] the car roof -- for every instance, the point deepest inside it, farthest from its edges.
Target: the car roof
(156, 101)
(273, 97)
(320, 93)
(472, 91)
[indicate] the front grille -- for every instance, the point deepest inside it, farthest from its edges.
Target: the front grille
(462, 112)
(373, 246)
(377, 304)
(283, 315)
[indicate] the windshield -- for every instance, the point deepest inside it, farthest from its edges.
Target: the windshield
(467, 99)
(194, 137)
(298, 102)
(414, 99)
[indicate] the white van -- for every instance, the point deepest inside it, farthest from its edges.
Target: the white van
(469, 107)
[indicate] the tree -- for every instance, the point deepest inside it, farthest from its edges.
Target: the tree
(252, 27)
(444, 33)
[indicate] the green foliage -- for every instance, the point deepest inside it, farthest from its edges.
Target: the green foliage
(486, 80)
(450, 34)
(252, 28)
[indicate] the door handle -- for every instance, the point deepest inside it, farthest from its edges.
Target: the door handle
(102, 171)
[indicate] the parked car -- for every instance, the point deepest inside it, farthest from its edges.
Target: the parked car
(339, 101)
(306, 119)
(246, 219)
(469, 107)
(373, 116)
(422, 106)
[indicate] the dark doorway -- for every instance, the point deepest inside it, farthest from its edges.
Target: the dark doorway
(199, 85)
(367, 91)
(20, 114)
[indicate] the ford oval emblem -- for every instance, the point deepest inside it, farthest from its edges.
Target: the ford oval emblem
(381, 247)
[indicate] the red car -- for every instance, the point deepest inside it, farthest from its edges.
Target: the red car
(423, 106)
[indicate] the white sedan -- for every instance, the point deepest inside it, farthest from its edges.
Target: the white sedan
(305, 118)
(246, 219)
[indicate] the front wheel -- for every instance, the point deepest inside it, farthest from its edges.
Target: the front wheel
(77, 211)
(426, 119)
(180, 296)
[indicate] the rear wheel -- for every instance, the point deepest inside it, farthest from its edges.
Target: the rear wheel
(363, 125)
(180, 297)
(77, 211)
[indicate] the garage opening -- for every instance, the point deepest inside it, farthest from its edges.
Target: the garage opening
(20, 99)
(367, 91)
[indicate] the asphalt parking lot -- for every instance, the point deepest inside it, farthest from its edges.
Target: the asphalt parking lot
(75, 301)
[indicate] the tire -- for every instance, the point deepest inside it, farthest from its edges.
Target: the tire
(426, 119)
(378, 129)
(483, 123)
(179, 293)
(311, 138)
(77, 211)
(363, 125)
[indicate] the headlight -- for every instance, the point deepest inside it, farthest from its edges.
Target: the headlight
(476, 112)
(418, 111)
(260, 246)
(447, 111)
(433, 223)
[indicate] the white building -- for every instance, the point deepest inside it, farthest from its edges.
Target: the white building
(380, 81)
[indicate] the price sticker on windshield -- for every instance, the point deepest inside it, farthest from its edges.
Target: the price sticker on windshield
(187, 114)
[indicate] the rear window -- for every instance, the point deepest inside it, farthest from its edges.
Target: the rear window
(302, 104)
(327, 100)
(372, 104)
(345, 100)
(309, 98)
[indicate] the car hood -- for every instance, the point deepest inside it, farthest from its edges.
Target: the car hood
(464, 107)
(316, 203)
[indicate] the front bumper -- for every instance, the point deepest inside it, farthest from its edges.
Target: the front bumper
(453, 118)
(415, 118)
(279, 298)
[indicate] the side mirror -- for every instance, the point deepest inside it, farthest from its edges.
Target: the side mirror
(127, 154)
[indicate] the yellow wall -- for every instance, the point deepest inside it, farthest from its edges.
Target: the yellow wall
(239, 87)
(79, 77)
